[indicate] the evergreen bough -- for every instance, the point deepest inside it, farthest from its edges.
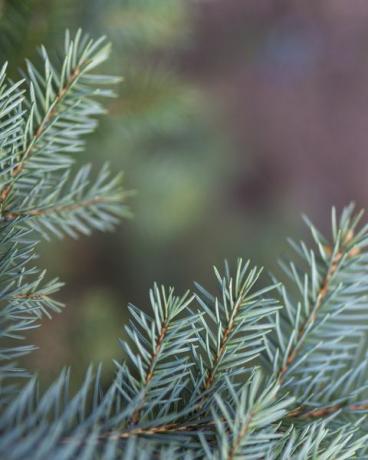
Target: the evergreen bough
(251, 371)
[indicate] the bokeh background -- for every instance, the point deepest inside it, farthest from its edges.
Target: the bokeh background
(233, 118)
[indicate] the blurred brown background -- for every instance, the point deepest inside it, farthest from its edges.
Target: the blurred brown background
(234, 117)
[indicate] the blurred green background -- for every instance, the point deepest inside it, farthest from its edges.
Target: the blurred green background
(233, 118)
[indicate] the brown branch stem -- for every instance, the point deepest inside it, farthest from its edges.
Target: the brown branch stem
(321, 412)
(11, 215)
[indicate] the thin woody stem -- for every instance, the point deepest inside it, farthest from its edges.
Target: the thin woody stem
(151, 431)
(10, 215)
(211, 425)
(32, 296)
(321, 412)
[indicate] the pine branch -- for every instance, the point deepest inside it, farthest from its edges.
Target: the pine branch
(159, 356)
(246, 421)
(234, 325)
(25, 298)
(11, 124)
(60, 109)
(58, 206)
(311, 318)
(346, 393)
(318, 441)
(35, 135)
(319, 328)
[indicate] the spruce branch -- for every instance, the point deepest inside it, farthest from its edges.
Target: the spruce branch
(234, 325)
(313, 326)
(318, 441)
(59, 206)
(309, 321)
(318, 351)
(42, 129)
(11, 124)
(37, 129)
(158, 353)
(60, 108)
(353, 399)
(246, 420)
(25, 298)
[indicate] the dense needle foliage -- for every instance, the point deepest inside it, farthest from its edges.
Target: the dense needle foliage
(255, 370)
